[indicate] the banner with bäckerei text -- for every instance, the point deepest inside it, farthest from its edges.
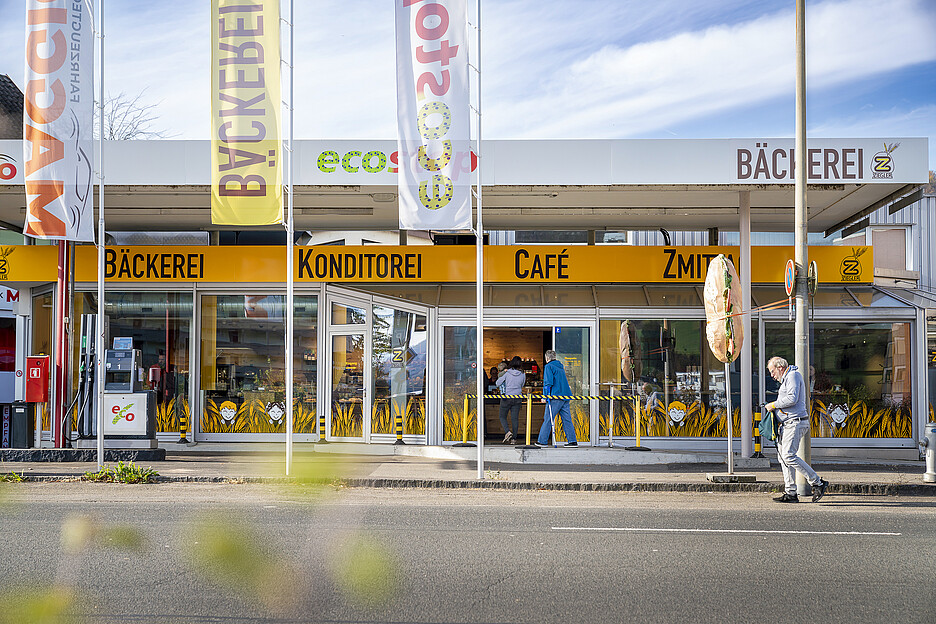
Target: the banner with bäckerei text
(246, 174)
(433, 121)
(57, 121)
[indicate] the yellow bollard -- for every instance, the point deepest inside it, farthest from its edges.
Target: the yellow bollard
(399, 427)
(637, 419)
(465, 421)
(322, 426)
(183, 425)
(757, 436)
(611, 420)
(529, 417)
(637, 427)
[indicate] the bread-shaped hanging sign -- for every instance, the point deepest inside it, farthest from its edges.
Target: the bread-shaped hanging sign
(627, 343)
(722, 295)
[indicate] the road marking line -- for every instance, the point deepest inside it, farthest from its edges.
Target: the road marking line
(764, 531)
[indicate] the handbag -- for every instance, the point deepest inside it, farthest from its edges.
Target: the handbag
(769, 426)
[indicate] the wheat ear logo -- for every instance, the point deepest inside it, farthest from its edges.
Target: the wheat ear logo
(4, 263)
(882, 163)
(851, 265)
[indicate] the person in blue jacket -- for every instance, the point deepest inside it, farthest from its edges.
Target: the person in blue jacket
(790, 408)
(555, 383)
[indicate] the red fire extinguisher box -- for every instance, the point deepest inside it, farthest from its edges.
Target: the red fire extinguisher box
(37, 378)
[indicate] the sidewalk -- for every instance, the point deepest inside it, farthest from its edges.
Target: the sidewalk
(547, 469)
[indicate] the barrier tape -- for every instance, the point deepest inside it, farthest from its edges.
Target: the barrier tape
(575, 397)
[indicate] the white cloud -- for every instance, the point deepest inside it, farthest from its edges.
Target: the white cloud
(620, 91)
(582, 69)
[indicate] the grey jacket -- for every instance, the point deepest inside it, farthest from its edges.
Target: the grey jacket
(791, 397)
(512, 381)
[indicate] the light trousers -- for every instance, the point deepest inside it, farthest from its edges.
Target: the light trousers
(790, 437)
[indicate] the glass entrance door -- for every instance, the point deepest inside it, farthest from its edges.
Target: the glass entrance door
(572, 347)
(378, 351)
(348, 398)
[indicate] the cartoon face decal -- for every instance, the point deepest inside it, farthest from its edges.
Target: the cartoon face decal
(276, 410)
(228, 411)
(838, 414)
(677, 413)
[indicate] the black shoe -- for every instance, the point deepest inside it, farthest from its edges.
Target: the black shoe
(787, 498)
(818, 491)
(538, 445)
(571, 444)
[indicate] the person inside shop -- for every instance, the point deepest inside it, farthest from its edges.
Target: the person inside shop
(790, 410)
(653, 397)
(490, 385)
(511, 383)
(555, 383)
(165, 379)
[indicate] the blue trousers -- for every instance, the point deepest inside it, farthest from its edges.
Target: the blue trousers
(561, 407)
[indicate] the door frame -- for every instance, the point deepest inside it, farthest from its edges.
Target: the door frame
(532, 317)
(337, 294)
(333, 296)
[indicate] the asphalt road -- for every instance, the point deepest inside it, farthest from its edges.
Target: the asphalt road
(220, 553)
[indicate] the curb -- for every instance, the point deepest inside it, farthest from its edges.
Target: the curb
(873, 489)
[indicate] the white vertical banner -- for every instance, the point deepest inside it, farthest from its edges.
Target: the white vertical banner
(433, 121)
(57, 120)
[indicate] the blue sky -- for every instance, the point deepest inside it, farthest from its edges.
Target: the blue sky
(561, 69)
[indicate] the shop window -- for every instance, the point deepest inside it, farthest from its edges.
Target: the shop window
(243, 376)
(422, 294)
(462, 296)
(347, 315)
(516, 296)
(671, 379)
(160, 325)
(572, 349)
(673, 296)
(622, 296)
(399, 359)
(459, 378)
(7, 345)
(578, 296)
(860, 376)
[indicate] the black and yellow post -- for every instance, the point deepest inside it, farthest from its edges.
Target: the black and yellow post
(399, 427)
(322, 439)
(529, 423)
(183, 426)
(465, 414)
(757, 435)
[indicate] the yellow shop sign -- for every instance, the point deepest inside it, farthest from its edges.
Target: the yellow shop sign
(439, 264)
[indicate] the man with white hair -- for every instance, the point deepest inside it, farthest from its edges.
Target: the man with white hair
(791, 413)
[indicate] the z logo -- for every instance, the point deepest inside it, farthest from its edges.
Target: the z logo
(851, 267)
(882, 164)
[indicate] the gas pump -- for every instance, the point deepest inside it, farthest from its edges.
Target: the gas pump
(86, 401)
(129, 410)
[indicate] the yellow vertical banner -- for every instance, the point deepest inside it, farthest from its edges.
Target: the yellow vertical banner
(246, 176)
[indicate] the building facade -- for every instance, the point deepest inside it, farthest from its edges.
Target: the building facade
(383, 331)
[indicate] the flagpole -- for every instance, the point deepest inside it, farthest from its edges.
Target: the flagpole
(290, 236)
(100, 328)
(479, 252)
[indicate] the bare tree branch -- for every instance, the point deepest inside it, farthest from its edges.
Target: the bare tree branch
(127, 117)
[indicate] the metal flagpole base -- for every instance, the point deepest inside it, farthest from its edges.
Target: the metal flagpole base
(637, 448)
(465, 444)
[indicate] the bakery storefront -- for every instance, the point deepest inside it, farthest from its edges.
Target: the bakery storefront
(388, 330)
